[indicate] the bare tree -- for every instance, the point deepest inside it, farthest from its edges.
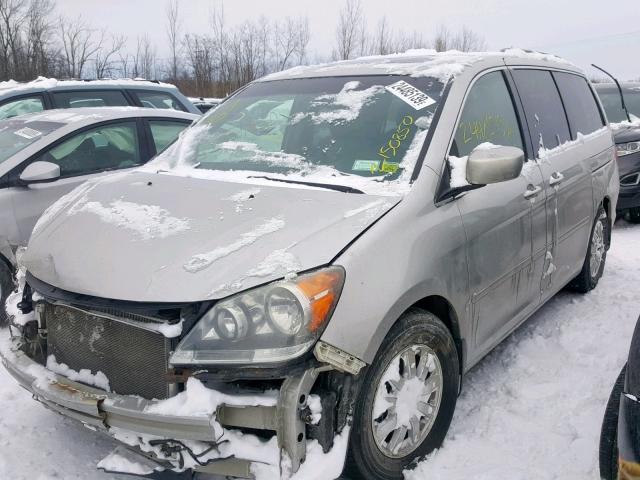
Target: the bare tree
(79, 44)
(39, 50)
(466, 40)
(12, 17)
(349, 30)
(443, 39)
(381, 42)
(104, 56)
(303, 40)
(144, 61)
(123, 59)
(470, 41)
(291, 38)
(173, 28)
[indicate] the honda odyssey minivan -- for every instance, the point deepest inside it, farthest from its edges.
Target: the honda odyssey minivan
(317, 262)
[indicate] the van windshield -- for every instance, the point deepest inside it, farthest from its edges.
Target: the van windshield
(16, 135)
(362, 132)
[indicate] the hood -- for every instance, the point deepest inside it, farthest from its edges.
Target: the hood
(150, 237)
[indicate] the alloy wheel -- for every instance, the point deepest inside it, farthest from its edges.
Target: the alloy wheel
(407, 401)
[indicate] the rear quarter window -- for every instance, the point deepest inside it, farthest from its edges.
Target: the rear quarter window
(582, 110)
(161, 100)
(543, 108)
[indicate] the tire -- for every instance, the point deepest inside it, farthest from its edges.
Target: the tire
(6, 287)
(609, 433)
(587, 279)
(418, 334)
(634, 215)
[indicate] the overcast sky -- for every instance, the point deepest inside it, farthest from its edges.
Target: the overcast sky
(584, 31)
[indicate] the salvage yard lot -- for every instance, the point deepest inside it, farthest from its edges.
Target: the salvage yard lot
(530, 410)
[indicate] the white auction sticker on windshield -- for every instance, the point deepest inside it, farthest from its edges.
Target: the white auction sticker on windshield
(410, 94)
(28, 133)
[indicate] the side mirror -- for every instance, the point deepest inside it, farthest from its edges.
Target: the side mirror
(40, 172)
(493, 164)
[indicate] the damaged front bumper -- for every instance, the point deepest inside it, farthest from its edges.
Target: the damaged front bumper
(112, 413)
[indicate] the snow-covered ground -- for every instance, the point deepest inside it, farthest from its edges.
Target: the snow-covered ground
(531, 410)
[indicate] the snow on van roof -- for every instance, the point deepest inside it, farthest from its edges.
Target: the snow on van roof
(416, 63)
(48, 83)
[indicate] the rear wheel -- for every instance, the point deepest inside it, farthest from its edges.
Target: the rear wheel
(6, 287)
(407, 399)
(609, 432)
(634, 215)
(593, 265)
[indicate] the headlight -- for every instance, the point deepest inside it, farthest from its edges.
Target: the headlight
(270, 324)
(628, 148)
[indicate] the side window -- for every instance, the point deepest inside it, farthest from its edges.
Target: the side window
(165, 132)
(580, 104)
(543, 108)
(161, 100)
(21, 106)
(108, 147)
(488, 116)
(90, 98)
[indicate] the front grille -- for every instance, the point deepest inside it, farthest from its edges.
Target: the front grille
(133, 359)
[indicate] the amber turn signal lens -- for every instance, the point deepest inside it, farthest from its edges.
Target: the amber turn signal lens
(322, 290)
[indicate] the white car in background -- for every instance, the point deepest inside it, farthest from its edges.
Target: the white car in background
(20, 98)
(43, 156)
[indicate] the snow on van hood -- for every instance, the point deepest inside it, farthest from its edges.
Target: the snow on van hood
(148, 237)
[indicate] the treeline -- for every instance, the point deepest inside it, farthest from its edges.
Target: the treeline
(36, 41)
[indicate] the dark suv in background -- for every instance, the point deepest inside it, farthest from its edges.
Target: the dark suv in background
(627, 136)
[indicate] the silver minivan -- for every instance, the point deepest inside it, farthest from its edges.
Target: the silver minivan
(316, 263)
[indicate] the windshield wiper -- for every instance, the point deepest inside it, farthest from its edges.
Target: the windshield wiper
(330, 186)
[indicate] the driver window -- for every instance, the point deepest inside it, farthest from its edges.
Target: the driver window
(488, 116)
(110, 147)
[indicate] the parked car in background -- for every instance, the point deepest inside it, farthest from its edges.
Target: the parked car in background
(620, 434)
(45, 155)
(205, 104)
(627, 136)
(330, 251)
(48, 93)
(610, 98)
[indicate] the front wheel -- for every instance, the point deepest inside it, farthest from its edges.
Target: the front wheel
(407, 400)
(609, 433)
(593, 265)
(6, 287)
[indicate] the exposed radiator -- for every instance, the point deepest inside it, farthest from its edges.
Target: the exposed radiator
(133, 359)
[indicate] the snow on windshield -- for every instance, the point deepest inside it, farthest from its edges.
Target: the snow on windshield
(364, 133)
(343, 106)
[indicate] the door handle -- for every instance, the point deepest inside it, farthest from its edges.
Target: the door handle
(556, 178)
(532, 191)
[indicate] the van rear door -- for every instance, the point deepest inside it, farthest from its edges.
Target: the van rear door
(563, 156)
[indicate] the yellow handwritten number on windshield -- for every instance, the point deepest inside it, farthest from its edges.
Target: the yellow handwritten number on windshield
(400, 135)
